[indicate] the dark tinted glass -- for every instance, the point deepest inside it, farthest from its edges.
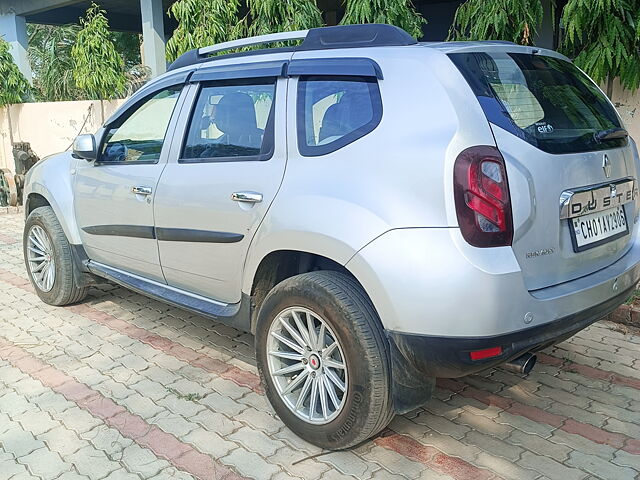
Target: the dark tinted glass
(335, 111)
(230, 121)
(546, 101)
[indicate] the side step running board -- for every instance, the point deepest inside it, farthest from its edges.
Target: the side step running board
(234, 314)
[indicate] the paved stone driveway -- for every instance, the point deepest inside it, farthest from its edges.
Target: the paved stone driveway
(125, 387)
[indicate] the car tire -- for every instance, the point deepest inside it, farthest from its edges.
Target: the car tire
(338, 301)
(46, 249)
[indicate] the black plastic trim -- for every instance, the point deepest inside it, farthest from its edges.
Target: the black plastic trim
(448, 357)
(236, 315)
(240, 71)
(137, 231)
(354, 66)
(198, 236)
(165, 234)
(356, 36)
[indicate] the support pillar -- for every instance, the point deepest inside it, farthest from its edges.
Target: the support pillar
(13, 29)
(153, 40)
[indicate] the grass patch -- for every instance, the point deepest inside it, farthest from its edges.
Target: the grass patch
(192, 397)
(635, 296)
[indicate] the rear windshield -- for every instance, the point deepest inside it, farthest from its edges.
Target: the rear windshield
(546, 101)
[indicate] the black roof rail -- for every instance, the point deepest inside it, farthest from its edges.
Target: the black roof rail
(356, 36)
(323, 38)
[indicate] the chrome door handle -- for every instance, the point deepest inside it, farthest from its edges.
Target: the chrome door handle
(247, 197)
(142, 190)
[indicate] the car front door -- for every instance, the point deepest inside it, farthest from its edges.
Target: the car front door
(220, 180)
(114, 195)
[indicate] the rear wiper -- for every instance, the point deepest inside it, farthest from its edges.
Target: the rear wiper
(611, 134)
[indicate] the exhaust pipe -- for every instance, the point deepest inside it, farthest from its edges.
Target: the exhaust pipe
(523, 364)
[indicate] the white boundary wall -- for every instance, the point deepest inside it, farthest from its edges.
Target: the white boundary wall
(49, 127)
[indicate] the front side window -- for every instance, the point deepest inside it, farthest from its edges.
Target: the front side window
(139, 136)
(232, 122)
(547, 101)
(335, 111)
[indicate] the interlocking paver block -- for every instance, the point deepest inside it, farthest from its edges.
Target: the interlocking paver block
(539, 445)
(549, 467)
(210, 442)
(250, 464)
(63, 441)
(394, 462)
(256, 441)
(93, 463)
(142, 461)
(599, 467)
(216, 422)
(45, 464)
(18, 442)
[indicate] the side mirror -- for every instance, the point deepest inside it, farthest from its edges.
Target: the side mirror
(84, 146)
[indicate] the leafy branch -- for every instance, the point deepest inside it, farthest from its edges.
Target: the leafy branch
(14, 88)
(512, 20)
(400, 13)
(98, 67)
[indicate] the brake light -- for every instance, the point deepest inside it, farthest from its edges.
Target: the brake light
(483, 203)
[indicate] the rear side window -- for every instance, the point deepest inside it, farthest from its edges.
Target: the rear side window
(232, 122)
(335, 111)
(544, 100)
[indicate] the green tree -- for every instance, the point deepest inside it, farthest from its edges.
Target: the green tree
(98, 68)
(202, 23)
(513, 20)
(51, 62)
(271, 16)
(400, 13)
(14, 88)
(604, 38)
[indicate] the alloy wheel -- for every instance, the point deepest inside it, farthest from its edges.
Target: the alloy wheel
(40, 258)
(307, 365)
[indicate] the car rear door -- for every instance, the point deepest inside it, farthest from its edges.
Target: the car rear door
(571, 170)
(225, 169)
(113, 198)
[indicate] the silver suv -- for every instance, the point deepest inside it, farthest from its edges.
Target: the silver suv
(379, 212)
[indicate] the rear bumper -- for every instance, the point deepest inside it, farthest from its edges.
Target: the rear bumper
(448, 357)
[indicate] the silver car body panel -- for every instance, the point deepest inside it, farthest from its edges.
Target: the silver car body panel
(52, 178)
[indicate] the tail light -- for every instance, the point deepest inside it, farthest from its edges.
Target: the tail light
(481, 192)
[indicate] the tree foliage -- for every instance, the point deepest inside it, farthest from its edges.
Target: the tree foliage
(604, 38)
(52, 64)
(202, 23)
(51, 61)
(400, 13)
(512, 20)
(98, 67)
(14, 88)
(271, 16)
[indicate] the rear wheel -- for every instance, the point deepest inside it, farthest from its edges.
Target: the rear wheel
(48, 259)
(324, 360)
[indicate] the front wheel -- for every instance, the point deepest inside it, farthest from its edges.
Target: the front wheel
(47, 255)
(324, 359)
